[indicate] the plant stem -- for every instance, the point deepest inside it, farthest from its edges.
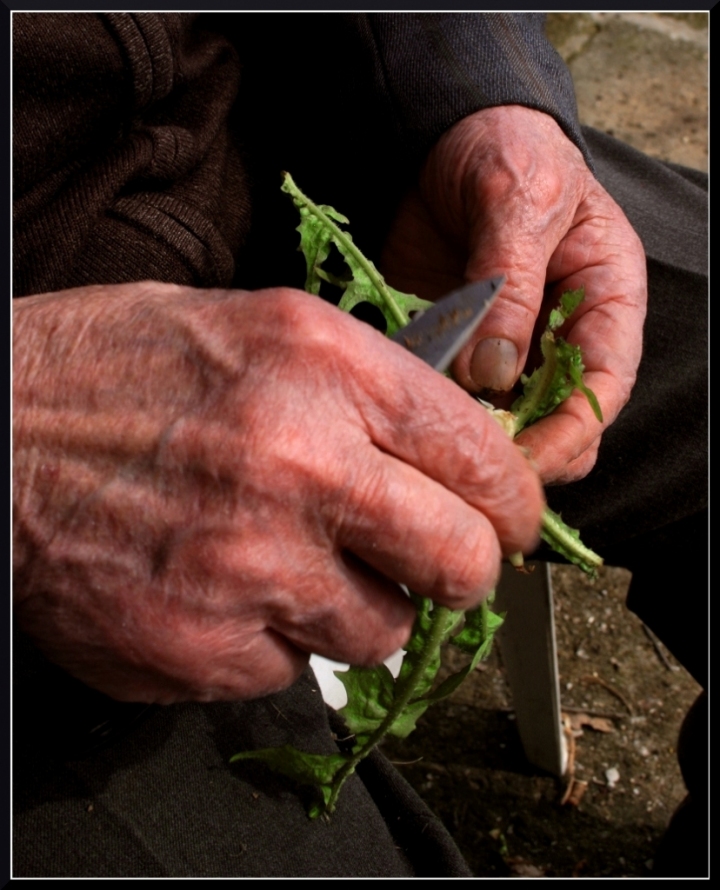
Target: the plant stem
(400, 317)
(547, 372)
(438, 628)
(555, 532)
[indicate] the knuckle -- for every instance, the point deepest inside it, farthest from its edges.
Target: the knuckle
(509, 491)
(232, 664)
(270, 675)
(300, 317)
(581, 466)
(361, 499)
(471, 563)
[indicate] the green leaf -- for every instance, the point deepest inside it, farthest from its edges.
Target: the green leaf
(576, 371)
(451, 683)
(405, 722)
(318, 231)
(370, 695)
(560, 373)
(316, 770)
(545, 388)
(550, 384)
(566, 541)
(416, 646)
(377, 704)
(569, 301)
(476, 640)
(480, 626)
(315, 242)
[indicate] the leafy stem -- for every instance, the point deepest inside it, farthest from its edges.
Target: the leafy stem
(532, 404)
(566, 541)
(378, 704)
(348, 245)
(403, 695)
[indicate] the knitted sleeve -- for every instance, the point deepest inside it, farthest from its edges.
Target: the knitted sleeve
(123, 166)
(437, 68)
(352, 103)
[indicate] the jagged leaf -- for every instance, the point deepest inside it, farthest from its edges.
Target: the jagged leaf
(569, 301)
(476, 640)
(404, 724)
(560, 373)
(566, 541)
(370, 695)
(417, 643)
(316, 770)
(480, 626)
(315, 242)
(318, 231)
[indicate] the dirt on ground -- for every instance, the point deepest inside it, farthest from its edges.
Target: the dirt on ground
(623, 697)
(643, 78)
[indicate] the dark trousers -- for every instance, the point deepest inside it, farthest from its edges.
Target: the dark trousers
(108, 789)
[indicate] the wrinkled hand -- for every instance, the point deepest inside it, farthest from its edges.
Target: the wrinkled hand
(505, 191)
(210, 485)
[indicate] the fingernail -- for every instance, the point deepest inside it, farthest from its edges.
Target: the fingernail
(494, 363)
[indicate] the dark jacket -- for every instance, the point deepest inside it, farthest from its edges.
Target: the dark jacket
(151, 145)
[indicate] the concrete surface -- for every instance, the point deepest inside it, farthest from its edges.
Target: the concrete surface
(642, 77)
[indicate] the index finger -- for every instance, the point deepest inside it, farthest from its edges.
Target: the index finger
(417, 415)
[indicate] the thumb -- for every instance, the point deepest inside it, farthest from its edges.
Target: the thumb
(496, 354)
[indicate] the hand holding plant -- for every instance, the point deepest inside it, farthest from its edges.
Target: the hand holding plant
(378, 704)
(505, 190)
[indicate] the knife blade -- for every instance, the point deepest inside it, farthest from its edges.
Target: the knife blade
(438, 334)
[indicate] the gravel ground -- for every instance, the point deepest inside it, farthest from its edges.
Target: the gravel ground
(623, 703)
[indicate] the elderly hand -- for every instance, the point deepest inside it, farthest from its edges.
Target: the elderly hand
(505, 191)
(210, 485)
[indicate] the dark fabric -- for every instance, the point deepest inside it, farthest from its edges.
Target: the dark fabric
(141, 141)
(408, 818)
(106, 788)
(124, 168)
(436, 67)
(683, 851)
(166, 802)
(371, 93)
(644, 506)
(415, 74)
(141, 145)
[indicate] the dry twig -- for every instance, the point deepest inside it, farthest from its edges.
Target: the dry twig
(611, 689)
(658, 649)
(591, 712)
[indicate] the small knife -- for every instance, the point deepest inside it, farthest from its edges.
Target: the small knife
(440, 332)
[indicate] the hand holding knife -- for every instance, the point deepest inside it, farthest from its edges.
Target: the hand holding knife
(440, 332)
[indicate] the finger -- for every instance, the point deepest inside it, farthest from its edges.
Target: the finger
(558, 444)
(607, 327)
(581, 466)
(425, 420)
(603, 255)
(312, 594)
(377, 392)
(175, 659)
(231, 667)
(518, 243)
(576, 469)
(348, 613)
(418, 533)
